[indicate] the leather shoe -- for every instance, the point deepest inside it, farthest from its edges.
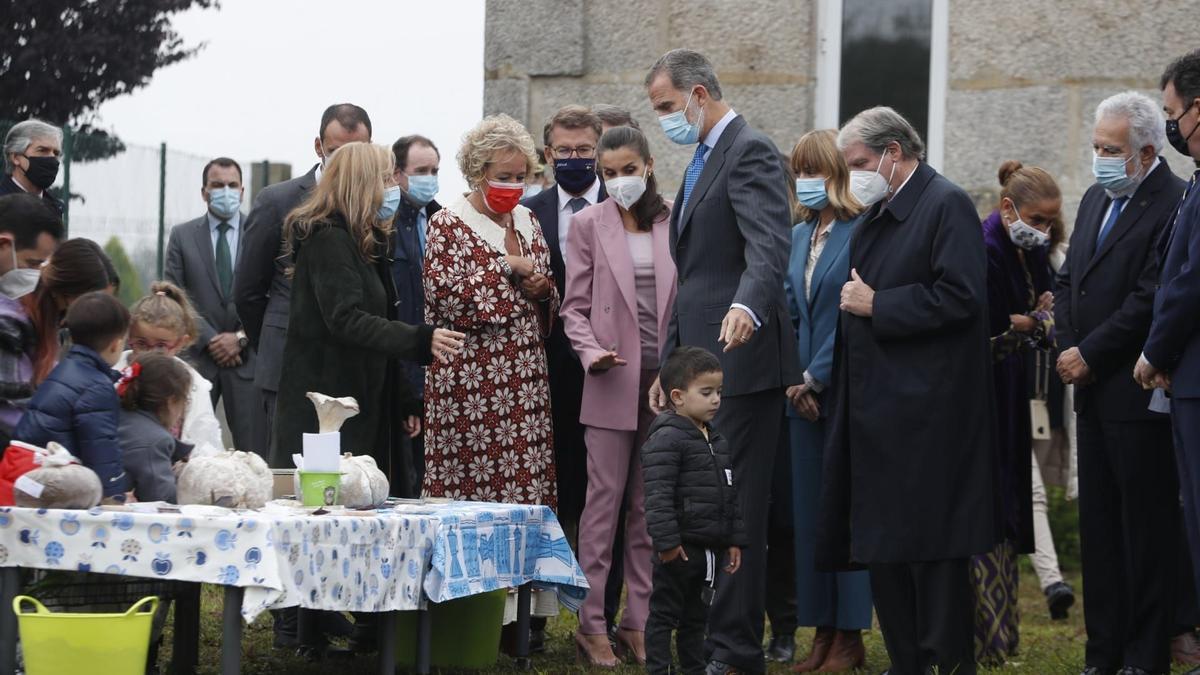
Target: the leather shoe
(1133, 670)
(1094, 670)
(781, 649)
(1060, 597)
(720, 668)
(847, 653)
(314, 653)
(822, 643)
(1185, 649)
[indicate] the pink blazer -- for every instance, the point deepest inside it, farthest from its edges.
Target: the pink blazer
(600, 310)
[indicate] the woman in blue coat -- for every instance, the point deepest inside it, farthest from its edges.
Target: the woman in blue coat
(837, 605)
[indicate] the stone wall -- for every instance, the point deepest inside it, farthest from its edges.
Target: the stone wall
(599, 52)
(1024, 75)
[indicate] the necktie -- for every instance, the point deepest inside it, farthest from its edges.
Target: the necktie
(693, 173)
(224, 259)
(1117, 205)
(577, 204)
(422, 225)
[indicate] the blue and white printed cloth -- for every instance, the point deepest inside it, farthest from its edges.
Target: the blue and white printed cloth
(372, 563)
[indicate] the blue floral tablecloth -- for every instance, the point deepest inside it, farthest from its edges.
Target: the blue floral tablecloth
(372, 562)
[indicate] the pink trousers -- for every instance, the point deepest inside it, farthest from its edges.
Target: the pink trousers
(614, 474)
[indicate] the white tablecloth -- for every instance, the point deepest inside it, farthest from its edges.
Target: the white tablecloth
(376, 562)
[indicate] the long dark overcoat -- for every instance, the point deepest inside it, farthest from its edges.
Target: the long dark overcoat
(343, 341)
(909, 455)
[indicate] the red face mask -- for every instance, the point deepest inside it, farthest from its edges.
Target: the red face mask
(503, 197)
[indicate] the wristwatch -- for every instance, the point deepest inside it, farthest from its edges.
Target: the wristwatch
(242, 339)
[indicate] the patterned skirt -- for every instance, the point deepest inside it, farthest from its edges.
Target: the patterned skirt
(996, 618)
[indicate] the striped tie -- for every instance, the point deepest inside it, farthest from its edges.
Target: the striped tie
(693, 173)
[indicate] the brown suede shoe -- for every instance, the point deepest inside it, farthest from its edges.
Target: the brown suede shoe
(822, 641)
(1185, 649)
(847, 653)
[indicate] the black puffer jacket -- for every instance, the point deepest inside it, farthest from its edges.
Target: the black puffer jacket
(688, 495)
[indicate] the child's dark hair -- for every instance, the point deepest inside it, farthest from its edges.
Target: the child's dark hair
(684, 365)
(152, 381)
(96, 319)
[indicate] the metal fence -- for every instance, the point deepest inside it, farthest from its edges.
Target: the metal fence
(129, 202)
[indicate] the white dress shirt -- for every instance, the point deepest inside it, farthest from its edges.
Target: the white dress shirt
(231, 236)
(592, 195)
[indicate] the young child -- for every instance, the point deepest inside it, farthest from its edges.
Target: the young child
(154, 392)
(164, 321)
(77, 406)
(692, 510)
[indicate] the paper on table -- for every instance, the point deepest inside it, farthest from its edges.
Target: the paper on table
(1159, 402)
(322, 452)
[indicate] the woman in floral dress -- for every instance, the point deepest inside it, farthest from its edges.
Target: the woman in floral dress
(487, 274)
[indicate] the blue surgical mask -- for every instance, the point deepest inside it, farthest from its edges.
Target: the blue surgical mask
(811, 193)
(1110, 173)
(224, 202)
(422, 189)
(677, 127)
(391, 200)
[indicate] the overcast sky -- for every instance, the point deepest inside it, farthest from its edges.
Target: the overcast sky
(270, 67)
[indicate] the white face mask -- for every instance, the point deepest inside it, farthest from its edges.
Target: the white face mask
(1026, 236)
(626, 190)
(868, 187)
(19, 282)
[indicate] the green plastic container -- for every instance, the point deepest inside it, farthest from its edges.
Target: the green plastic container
(466, 632)
(57, 643)
(319, 488)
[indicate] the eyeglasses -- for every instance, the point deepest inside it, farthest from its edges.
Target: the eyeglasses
(580, 151)
(142, 345)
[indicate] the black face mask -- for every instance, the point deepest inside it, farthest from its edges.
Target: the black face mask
(1177, 139)
(575, 175)
(42, 171)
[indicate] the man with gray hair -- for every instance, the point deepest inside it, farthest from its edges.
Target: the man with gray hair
(1103, 306)
(729, 235)
(908, 486)
(31, 152)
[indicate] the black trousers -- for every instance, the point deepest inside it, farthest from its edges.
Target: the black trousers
(677, 605)
(927, 613)
(570, 451)
(781, 551)
(751, 423)
(1128, 534)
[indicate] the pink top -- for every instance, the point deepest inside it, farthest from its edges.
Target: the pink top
(641, 249)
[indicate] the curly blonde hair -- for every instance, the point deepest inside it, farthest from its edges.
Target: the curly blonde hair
(494, 135)
(168, 307)
(352, 187)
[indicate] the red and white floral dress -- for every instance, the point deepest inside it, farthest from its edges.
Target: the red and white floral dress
(488, 433)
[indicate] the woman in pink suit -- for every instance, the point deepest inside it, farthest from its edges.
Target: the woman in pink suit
(619, 293)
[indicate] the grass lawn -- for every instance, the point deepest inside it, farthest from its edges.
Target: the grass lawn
(1047, 648)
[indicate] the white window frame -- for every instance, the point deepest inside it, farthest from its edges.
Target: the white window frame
(827, 92)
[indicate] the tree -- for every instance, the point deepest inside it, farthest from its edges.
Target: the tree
(131, 281)
(60, 59)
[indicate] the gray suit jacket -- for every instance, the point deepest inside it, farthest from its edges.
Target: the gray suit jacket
(261, 290)
(731, 243)
(191, 265)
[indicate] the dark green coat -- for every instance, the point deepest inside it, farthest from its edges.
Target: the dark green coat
(343, 341)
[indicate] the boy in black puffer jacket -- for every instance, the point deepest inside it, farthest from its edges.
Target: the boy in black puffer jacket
(692, 510)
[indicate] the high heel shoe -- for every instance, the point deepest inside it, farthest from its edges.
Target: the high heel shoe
(631, 643)
(586, 652)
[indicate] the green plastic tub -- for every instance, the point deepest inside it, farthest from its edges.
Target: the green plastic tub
(466, 632)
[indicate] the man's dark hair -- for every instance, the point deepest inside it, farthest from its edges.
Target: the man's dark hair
(615, 116)
(348, 115)
(26, 217)
(684, 365)
(572, 117)
(1184, 73)
(401, 146)
(222, 162)
(686, 69)
(96, 319)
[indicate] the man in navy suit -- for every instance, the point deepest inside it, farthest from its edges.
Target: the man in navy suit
(417, 162)
(1170, 358)
(570, 138)
(1128, 508)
